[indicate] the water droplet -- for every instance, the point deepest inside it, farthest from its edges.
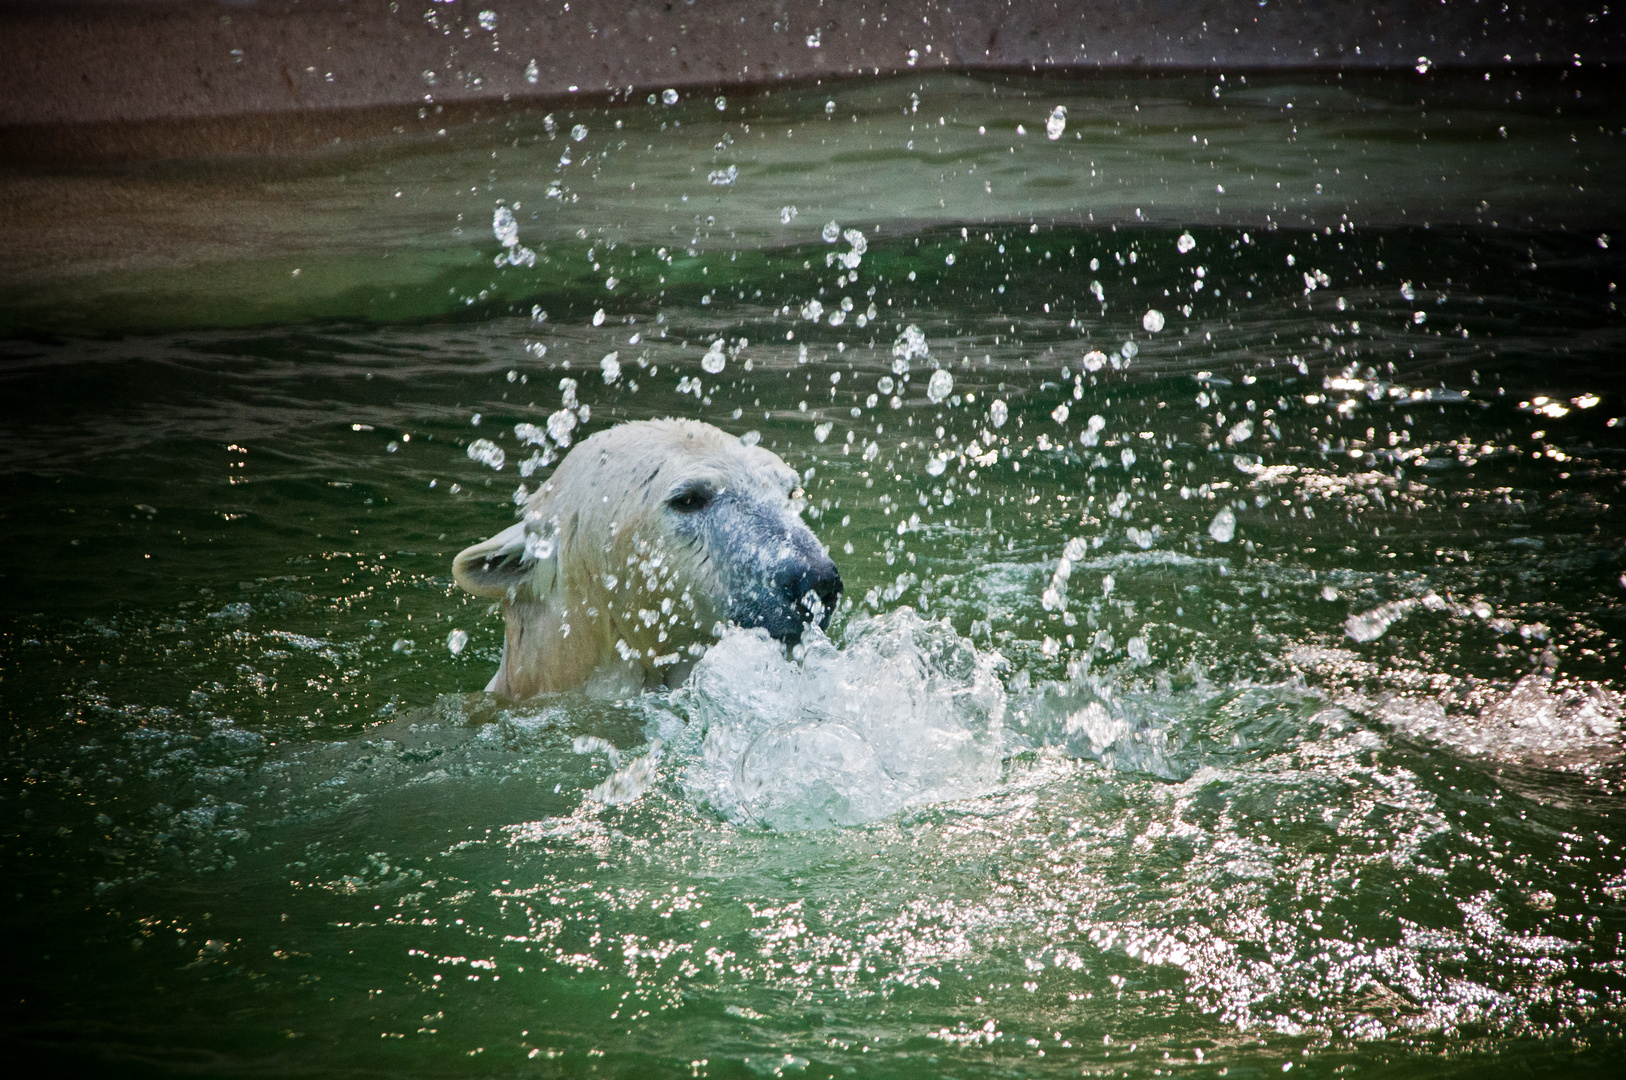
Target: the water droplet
(1223, 527)
(504, 227)
(910, 344)
(561, 424)
(456, 640)
(487, 452)
(1057, 123)
(940, 386)
(1185, 243)
(714, 360)
(831, 233)
(669, 97)
(1152, 321)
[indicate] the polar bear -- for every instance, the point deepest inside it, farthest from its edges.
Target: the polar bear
(646, 541)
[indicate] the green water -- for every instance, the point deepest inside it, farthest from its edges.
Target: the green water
(1313, 758)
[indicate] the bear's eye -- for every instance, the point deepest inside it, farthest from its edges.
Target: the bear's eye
(690, 500)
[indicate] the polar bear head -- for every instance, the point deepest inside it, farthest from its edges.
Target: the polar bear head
(647, 539)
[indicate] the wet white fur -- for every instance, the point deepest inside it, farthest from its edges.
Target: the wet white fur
(585, 608)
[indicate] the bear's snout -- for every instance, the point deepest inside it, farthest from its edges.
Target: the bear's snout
(813, 592)
(799, 588)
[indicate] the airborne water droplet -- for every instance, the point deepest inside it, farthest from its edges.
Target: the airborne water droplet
(487, 452)
(1057, 123)
(714, 360)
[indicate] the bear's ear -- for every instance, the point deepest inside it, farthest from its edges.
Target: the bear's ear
(506, 565)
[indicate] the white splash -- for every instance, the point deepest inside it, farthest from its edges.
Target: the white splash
(1373, 624)
(906, 713)
(1540, 720)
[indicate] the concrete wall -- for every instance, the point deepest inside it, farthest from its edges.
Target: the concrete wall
(110, 63)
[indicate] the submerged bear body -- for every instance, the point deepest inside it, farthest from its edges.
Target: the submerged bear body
(645, 542)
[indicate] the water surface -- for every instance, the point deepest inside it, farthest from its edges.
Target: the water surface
(1214, 692)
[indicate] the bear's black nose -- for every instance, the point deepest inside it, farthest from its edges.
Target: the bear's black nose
(817, 592)
(808, 589)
